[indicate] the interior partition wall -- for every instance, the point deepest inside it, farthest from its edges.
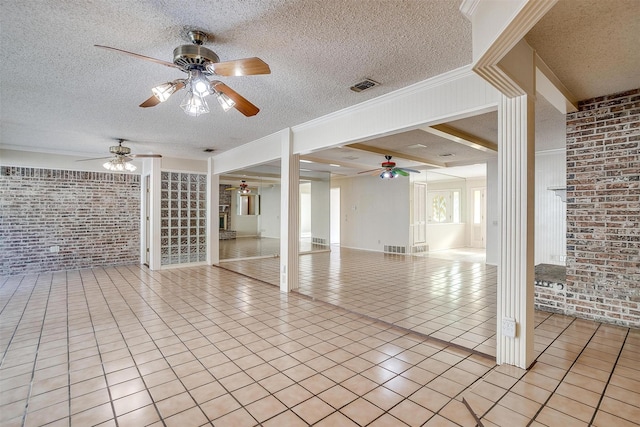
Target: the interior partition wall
(183, 218)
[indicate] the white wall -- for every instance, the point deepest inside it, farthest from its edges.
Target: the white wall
(244, 225)
(374, 212)
(270, 211)
(468, 212)
(321, 209)
(551, 211)
(305, 209)
(447, 235)
(493, 214)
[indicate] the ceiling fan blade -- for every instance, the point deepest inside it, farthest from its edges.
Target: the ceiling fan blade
(94, 158)
(410, 170)
(401, 172)
(151, 102)
(370, 170)
(137, 55)
(242, 104)
(138, 156)
(241, 67)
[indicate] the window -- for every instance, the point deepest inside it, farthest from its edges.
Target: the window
(444, 206)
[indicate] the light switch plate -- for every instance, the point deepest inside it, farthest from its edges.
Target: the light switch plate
(509, 327)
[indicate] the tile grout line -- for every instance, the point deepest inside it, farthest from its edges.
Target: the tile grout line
(534, 362)
(35, 360)
(595, 413)
(115, 415)
(544, 405)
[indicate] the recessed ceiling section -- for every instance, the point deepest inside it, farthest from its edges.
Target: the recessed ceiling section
(591, 45)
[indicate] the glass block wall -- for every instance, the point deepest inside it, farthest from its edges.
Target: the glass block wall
(183, 212)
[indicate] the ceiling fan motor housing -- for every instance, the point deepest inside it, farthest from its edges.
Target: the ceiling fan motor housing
(388, 164)
(119, 150)
(194, 57)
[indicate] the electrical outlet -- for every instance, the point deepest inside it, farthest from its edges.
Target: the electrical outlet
(509, 327)
(54, 249)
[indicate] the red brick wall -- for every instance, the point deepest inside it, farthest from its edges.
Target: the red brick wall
(603, 209)
(93, 217)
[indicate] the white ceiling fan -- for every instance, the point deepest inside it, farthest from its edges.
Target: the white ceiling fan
(121, 158)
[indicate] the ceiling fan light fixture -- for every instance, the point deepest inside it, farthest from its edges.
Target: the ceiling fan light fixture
(164, 91)
(388, 174)
(194, 104)
(199, 83)
(119, 165)
(226, 102)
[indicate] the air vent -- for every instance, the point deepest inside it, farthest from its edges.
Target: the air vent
(364, 85)
(209, 150)
(414, 146)
(446, 155)
(395, 249)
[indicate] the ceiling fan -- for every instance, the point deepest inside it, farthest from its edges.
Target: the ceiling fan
(200, 64)
(243, 189)
(389, 170)
(119, 162)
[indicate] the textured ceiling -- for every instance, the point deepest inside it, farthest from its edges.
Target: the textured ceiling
(61, 94)
(591, 45)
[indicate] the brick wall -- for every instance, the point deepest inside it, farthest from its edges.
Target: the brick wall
(603, 209)
(93, 217)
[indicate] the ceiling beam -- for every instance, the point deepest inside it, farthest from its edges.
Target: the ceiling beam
(333, 162)
(461, 137)
(384, 151)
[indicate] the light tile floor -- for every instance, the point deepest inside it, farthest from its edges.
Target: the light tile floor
(125, 346)
(251, 247)
(436, 295)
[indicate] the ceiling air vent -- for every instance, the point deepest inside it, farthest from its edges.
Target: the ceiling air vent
(364, 85)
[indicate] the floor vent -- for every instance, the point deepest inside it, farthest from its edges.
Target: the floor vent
(395, 249)
(420, 249)
(318, 241)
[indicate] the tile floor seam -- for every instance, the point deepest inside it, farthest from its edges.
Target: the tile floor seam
(604, 391)
(480, 416)
(35, 360)
(568, 370)
(104, 373)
